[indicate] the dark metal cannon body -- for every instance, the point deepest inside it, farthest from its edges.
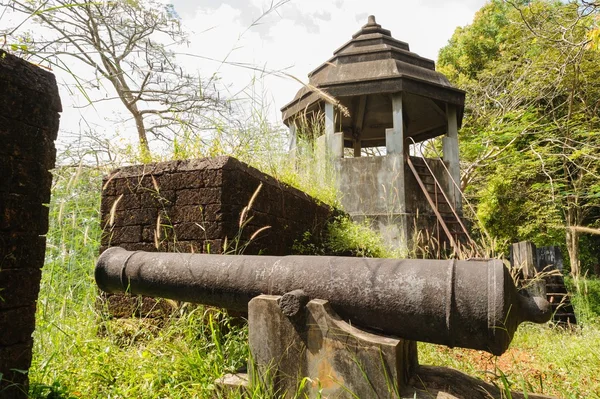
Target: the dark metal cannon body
(470, 304)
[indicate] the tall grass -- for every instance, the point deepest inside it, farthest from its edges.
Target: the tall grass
(81, 353)
(543, 359)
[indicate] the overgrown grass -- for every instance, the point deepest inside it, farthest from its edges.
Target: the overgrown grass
(80, 353)
(587, 302)
(543, 359)
(344, 237)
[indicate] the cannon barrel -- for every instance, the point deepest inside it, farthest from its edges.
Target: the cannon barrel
(469, 304)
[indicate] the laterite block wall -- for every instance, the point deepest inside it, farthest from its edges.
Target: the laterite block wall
(195, 205)
(29, 118)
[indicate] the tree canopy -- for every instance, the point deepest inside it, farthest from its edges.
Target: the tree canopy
(531, 137)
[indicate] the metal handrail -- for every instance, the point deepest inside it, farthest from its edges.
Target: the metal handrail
(453, 182)
(432, 204)
(438, 185)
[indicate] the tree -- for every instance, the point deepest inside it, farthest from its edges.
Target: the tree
(127, 43)
(532, 131)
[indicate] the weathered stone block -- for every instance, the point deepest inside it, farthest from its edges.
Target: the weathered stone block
(14, 360)
(29, 106)
(142, 216)
(203, 199)
(317, 344)
(200, 196)
(21, 322)
(154, 199)
(125, 234)
(192, 213)
(17, 213)
(21, 250)
(20, 287)
(195, 231)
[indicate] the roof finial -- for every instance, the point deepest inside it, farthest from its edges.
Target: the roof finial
(371, 21)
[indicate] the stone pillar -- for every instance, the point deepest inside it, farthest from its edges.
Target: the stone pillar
(293, 146)
(293, 138)
(356, 146)
(451, 157)
(523, 257)
(315, 342)
(334, 142)
(329, 120)
(394, 142)
(29, 118)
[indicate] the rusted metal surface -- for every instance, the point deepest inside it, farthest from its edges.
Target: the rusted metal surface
(470, 304)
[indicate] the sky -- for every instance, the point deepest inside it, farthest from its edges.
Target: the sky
(295, 36)
(302, 34)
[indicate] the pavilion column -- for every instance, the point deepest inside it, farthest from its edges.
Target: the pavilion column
(334, 141)
(395, 159)
(329, 120)
(451, 158)
(293, 148)
(293, 138)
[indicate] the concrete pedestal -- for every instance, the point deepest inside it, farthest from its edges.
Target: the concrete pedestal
(339, 360)
(301, 349)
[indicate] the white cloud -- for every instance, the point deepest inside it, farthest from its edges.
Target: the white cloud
(300, 35)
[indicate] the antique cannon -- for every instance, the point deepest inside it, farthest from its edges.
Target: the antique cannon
(469, 304)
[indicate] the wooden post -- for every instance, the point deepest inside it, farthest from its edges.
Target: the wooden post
(357, 148)
(358, 126)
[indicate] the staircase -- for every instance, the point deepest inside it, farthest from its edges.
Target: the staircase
(556, 293)
(546, 263)
(451, 230)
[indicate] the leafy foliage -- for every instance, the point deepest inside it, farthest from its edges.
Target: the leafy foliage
(531, 133)
(344, 237)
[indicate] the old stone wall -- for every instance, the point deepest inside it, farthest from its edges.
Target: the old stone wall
(196, 206)
(29, 118)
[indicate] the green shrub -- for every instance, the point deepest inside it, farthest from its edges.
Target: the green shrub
(585, 299)
(344, 237)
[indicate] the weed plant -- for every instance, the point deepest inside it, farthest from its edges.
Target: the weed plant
(344, 237)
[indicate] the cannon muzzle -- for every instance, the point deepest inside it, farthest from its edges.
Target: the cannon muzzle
(469, 304)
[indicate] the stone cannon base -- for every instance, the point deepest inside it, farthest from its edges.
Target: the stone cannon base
(300, 345)
(315, 343)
